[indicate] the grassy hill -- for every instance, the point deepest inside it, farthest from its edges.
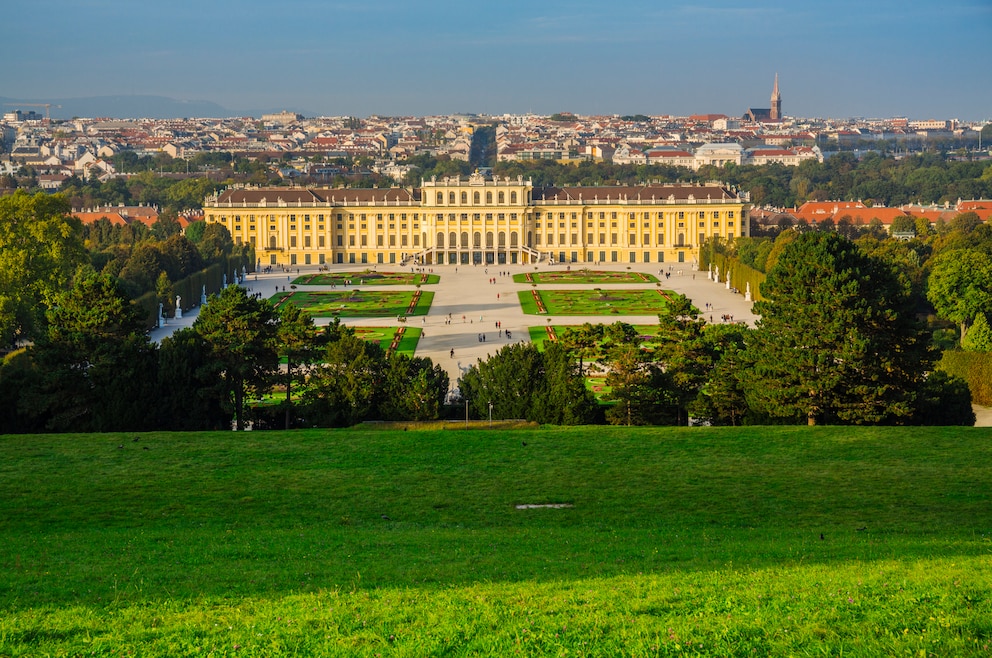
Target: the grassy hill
(663, 541)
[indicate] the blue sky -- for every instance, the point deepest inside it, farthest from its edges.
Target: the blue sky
(392, 57)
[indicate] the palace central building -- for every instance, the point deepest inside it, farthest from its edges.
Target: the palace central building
(479, 220)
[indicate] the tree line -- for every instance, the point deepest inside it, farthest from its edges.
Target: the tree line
(877, 178)
(242, 363)
(838, 342)
(42, 246)
(948, 267)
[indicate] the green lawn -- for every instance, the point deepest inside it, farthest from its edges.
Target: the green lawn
(358, 303)
(385, 336)
(593, 302)
(366, 278)
(703, 541)
(538, 335)
(584, 276)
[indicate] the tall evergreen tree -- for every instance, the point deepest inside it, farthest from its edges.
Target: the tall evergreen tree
(240, 331)
(296, 342)
(838, 341)
(97, 367)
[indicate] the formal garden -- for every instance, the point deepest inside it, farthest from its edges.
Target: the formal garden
(593, 302)
(569, 276)
(357, 303)
(366, 278)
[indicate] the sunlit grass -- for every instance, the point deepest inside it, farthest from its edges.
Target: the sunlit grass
(358, 303)
(603, 302)
(367, 278)
(584, 276)
(764, 540)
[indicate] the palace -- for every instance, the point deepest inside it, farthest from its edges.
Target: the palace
(479, 220)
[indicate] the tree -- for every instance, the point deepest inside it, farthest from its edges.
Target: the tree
(40, 249)
(979, 337)
(215, 242)
(944, 400)
(415, 389)
(189, 394)
(722, 400)
(960, 285)
(564, 398)
(183, 254)
(97, 366)
(638, 386)
(347, 387)
(687, 359)
(296, 341)
(522, 382)
(141, 271)
(240, 332)
(194, 232)
(582, 341)
(838, 340)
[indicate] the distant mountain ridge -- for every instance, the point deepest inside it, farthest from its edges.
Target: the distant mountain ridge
(128, 107)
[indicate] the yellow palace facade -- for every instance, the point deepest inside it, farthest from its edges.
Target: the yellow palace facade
(479, 220)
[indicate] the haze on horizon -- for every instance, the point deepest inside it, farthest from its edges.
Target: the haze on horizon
(393, 57)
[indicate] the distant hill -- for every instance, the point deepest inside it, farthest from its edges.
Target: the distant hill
(128, 107)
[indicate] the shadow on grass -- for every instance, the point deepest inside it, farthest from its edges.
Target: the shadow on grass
(224, 514)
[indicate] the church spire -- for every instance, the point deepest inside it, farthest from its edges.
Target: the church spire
(776, 108)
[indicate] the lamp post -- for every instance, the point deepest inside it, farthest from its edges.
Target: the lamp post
(490, 414)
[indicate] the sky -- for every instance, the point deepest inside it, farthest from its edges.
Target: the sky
(837, 59)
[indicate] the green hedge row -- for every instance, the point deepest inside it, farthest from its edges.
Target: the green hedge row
(740, 274)
(973, 367)
(191, 288)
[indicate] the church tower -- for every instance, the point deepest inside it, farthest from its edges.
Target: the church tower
(776, 108)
